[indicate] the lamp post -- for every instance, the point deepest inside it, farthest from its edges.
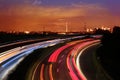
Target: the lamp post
(66, 27)
(65, 24)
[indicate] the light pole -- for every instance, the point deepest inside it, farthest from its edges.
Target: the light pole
(66, 27)
(65, 24)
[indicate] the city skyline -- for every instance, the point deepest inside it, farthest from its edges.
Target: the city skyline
(52, 15)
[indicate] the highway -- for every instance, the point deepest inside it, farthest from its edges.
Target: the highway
(65, 62)
(85, 62)
(21, 43)
(11, 58)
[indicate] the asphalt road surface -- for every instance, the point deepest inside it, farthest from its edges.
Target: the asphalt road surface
(61, 65)
(87, 63)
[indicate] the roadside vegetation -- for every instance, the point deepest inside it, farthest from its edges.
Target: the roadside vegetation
(109, 52)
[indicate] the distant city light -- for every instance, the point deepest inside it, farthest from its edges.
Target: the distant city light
(26, 32)
(105, 28)
(89, 30)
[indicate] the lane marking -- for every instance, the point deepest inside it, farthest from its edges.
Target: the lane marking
(78, 57)
(33, 76)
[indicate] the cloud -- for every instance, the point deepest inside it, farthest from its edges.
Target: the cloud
(58, 11)
(33, 17)
(37, 2)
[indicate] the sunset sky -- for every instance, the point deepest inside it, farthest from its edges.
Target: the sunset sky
(52, 15)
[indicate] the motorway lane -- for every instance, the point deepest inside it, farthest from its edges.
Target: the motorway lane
(13, 52)
(51, 64)
(61, 64)
(11, 58)
(10, 53)
(14, 56)
(89, 69)
(21, 43)
(60, 69)
(46, 72)
(74, 55)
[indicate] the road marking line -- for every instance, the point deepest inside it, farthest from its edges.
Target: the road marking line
(33, 76)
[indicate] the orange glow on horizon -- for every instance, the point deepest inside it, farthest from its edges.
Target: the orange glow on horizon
(39, 18)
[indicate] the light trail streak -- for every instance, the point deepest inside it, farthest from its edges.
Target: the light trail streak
(54, 56)
(21, 52)
(79, 54)
(7, 59)
(9, 69)
(73, 65)
(33, 75)
(71, 72)
(74, 72)
(42, 72)
(50, 72)
(7, 54)
(88, 44)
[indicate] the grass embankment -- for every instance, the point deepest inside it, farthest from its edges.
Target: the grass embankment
(101, 72)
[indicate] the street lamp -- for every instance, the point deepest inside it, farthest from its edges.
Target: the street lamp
(66, 24)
